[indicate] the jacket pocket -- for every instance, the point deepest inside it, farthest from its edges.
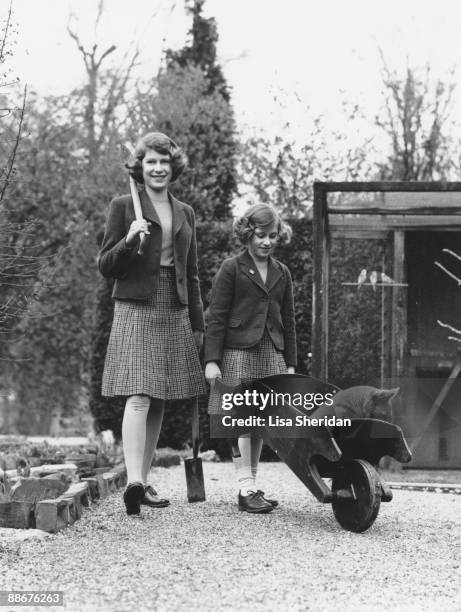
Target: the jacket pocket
(234, 322)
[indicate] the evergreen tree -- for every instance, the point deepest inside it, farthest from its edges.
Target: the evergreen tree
(210, 140)
(201, 51)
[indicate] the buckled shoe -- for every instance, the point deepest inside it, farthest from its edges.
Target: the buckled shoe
(254, 503)
(152, 499)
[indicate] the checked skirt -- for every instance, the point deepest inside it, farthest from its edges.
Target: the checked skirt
(260, 360)
(151, 348)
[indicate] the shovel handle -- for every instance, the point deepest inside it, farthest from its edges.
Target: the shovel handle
(138, 213)
(136, 201)
(195, 428)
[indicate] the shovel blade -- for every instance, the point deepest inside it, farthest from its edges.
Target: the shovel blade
(194, 480)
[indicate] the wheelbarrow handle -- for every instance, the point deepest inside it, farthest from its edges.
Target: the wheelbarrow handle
(222, 387)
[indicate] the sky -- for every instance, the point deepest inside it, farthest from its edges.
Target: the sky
(306, 53)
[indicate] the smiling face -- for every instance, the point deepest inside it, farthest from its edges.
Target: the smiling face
(263, 242)
(156, 170)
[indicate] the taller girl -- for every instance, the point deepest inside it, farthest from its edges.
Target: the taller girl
(251, 329)
(152, 354)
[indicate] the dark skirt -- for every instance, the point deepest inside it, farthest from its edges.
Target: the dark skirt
(260, 360)
(151, 348)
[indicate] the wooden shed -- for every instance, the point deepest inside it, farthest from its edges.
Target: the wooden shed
(421, 224)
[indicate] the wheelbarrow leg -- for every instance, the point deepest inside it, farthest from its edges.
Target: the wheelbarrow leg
(297, 454)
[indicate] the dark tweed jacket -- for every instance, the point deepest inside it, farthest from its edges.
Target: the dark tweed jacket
(242, 307)
(137, 276)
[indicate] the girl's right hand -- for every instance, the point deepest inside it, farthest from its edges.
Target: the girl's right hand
(135, 229)
(212, 371)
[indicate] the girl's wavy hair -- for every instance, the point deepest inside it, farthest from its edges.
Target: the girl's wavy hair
(162, 144)
(260, 215)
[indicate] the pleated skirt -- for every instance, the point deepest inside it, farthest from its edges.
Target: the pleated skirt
(260, 360)
(152, 349)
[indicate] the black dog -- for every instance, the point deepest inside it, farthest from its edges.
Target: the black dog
(361, 402)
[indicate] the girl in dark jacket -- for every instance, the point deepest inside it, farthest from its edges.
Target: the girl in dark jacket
(251, 329)
(152, 355)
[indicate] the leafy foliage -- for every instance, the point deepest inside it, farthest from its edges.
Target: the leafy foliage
(281, 172)
(354, 315)
(203, 125)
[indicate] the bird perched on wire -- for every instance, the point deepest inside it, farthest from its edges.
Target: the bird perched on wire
(386, 279)
(362, 278)
(373, 279)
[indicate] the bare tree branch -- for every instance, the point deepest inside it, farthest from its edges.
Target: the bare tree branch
(5, 34)
(453, 276)
(452, 253)
(12, 156)
(450, 327)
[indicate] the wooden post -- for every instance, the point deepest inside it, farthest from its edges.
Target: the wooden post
(320, 285)
(387, 313)
(399, 308)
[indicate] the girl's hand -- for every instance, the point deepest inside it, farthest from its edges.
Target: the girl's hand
(135, 229)
(212, 371)
(290, 370)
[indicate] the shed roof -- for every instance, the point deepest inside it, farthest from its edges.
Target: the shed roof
(371, 210)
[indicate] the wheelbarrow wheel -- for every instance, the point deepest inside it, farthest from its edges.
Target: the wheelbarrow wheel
(358, 495)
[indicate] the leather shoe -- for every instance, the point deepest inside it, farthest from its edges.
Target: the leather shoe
(273, 502)
(152, 499)
(132, 496)
(254, 503)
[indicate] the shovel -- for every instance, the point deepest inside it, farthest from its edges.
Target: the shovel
(194, 470)
(136, 202)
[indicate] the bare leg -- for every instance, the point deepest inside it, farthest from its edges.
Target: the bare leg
(153, 426)
(134, 435)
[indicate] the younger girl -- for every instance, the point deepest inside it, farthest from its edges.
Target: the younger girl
(251, 329)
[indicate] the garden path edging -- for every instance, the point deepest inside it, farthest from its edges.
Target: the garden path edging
(52, 515)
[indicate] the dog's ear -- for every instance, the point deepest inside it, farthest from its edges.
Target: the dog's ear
(385, 394)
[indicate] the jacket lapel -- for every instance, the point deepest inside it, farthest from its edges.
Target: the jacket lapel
(248, 268)
(274, 274)
(178, 214)
(148, 210)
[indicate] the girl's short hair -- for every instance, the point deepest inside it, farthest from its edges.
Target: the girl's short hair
(260, 215)
(162, 144)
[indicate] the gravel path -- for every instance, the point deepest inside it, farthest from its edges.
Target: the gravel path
(209, 556)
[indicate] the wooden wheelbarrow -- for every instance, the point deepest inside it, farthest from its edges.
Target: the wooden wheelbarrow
(348, 455)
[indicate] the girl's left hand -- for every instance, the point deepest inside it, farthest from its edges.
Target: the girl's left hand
(290, 370)
(198, 335)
